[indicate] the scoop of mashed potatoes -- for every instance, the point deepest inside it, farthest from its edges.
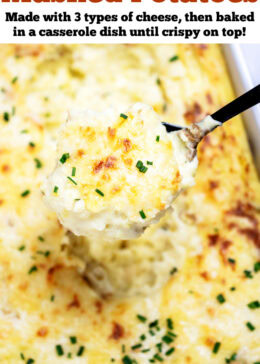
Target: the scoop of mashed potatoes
(116, 174)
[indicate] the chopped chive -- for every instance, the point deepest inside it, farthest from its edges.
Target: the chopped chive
(142, 214)
(141, 318)
(153, 324)
(123, 348)
(256, 362)
(56, 188)
(112, 360)
(170, 351)
(64, 157)
(32, 269)
(137, 346)
(38, 163)
(81, 350)
(216, 347)
(14, 80)
(73, 339)
(59, 350)
(52, 298)
(158, 357)
(167, 339)
(72, 180)
(30, 361)
(173, 271)
(32, 144)
(127, 360)
(254, 304)
(140, 166)
(171, 334)
(158, 138)
(232, 289)
(41, 238)
(169, 323)
(250, 326)
(25, 193)
(149, 163)
(232, 358)
(22, 356)
(159, 347)
(142, 337)
(151, 332)
(21, 248)
(257, 267)
(145, 350)
(221, 299)
(6, 116)
(158, 81)
(174, 58)
(69, 355)
(123, 116)
(231, 260)
(46, 254)
(248, 274)
(99, 192)
(73, 173)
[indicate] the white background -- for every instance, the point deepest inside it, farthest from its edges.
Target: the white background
(167, 7)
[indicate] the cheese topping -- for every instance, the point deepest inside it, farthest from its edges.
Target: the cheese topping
(116, 173)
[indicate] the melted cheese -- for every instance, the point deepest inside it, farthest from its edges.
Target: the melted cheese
(216, 219)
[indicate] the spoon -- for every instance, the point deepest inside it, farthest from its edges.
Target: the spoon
(197, 131)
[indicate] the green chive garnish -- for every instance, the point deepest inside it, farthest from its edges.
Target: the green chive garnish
(69, 355)
(73, 339)
(257, 267)
(253, 305)
(25, 193)
(41, 238)
(99, 192)
(14, 80)
(72, 180)
(59, 350)
(140, 166)
(142, 337)
(167, 339)
(32, 144)
(248, 274)
(6, 116)
(141, 318)
(158, 81)
(22, 356)
(81, 350)
(30, 361)
(123, 116)
(73, 173)
(32, 269)
(231, 260)
(232, 289)
(170, 351)
(169, 323)
(158, 138)
(38, 163)
(52, 298)
(153, 324)
(174, 58)
(149, 163)
(250, 326)
(21, 248)
(127, 360)
(64, 157)
(221, 299)
(216, 347)
(158, 357)
(137, 346)
(173, 271)
(142, 214)
(56, 188)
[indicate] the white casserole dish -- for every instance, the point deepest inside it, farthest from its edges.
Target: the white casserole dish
(242, 82)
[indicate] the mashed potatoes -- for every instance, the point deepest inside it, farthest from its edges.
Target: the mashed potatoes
(117, 173)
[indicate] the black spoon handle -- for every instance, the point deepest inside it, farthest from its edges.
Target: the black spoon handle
(240, 104)
(235, 107)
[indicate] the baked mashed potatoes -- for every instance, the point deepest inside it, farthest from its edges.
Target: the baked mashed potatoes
(59, 293)
(117, 174)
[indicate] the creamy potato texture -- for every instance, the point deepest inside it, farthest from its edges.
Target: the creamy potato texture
(205, 252)
(116, 174)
